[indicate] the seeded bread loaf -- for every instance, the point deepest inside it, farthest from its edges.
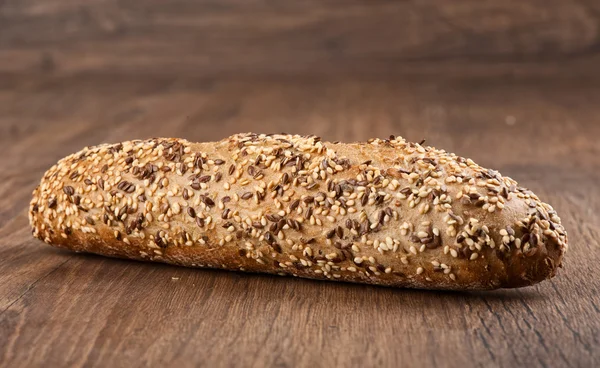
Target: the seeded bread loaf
(385, 212)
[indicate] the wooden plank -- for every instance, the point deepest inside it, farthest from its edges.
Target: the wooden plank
(191, 38)
(62, 309)
(22, 262)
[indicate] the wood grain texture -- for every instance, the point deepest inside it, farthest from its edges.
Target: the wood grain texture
(63, 309)
(221, 37)
(512, 84)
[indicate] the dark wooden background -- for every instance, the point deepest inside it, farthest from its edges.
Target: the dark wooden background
(513, 84)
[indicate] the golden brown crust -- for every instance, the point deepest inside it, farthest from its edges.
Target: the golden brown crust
(385, 212)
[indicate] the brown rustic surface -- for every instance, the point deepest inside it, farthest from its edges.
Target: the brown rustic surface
(514, 87)
(375, 37)
(58, 307)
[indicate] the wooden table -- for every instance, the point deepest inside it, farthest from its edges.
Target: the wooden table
(60, 308)
(77, 73)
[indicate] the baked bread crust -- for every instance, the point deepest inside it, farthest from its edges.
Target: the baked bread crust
(386, 212)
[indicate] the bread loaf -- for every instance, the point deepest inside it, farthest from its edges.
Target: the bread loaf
(385, 212)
